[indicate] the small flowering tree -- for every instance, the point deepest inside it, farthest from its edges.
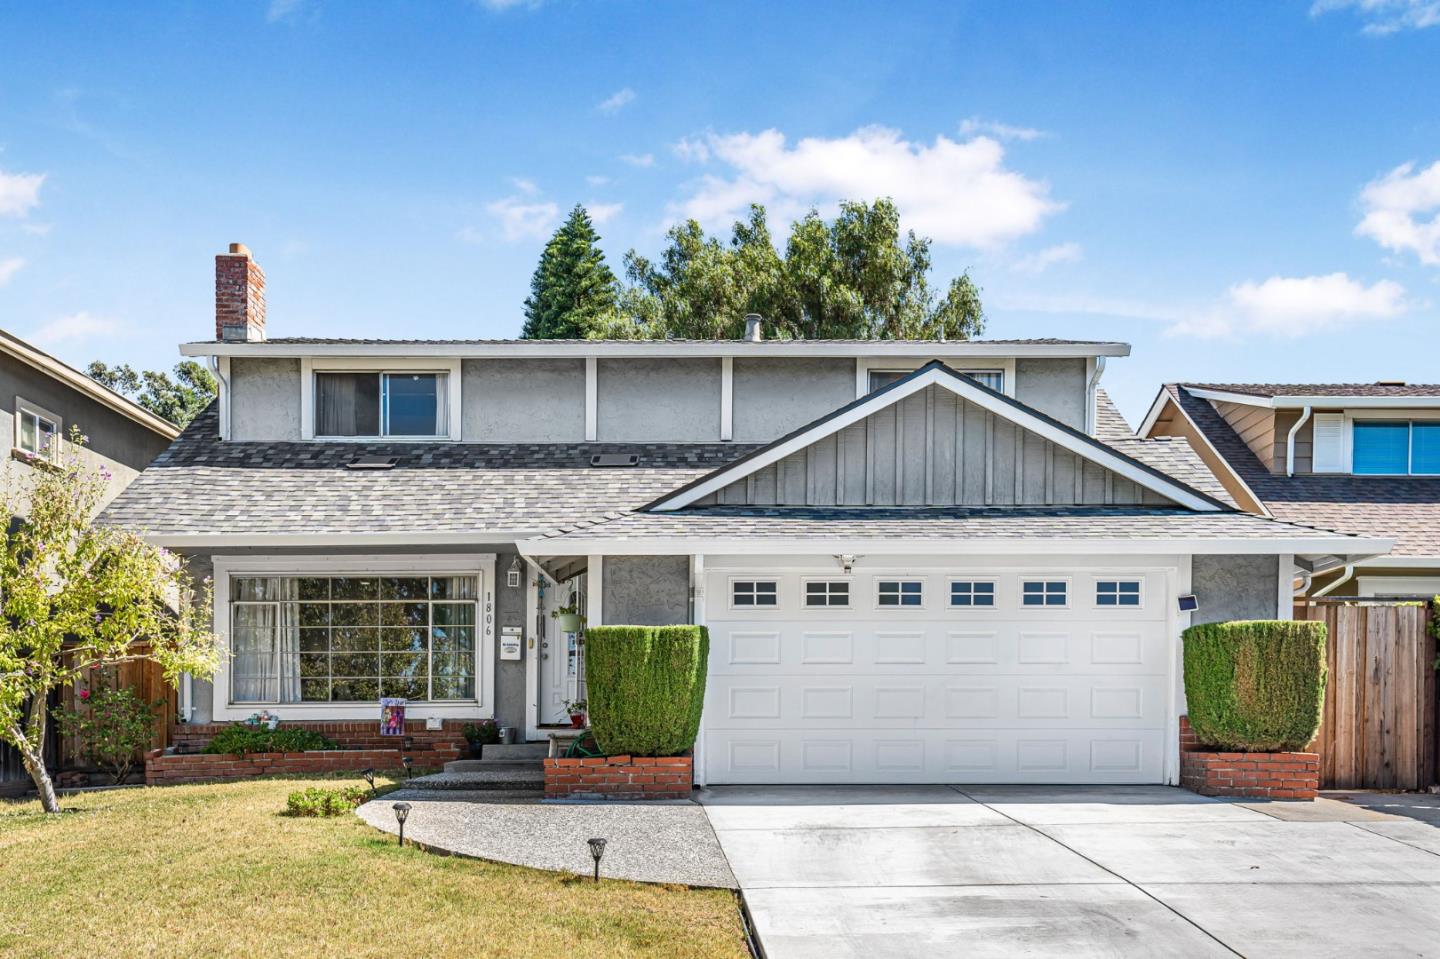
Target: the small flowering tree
(75, 596)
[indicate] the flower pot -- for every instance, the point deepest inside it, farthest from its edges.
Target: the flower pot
(476, 749)
(570, 622)
(577, 720)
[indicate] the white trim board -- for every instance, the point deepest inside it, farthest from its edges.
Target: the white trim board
(518, 349)
(1300, 401)
(936, 374)
(1154, 415)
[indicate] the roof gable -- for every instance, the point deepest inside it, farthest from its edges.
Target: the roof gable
(937, 437)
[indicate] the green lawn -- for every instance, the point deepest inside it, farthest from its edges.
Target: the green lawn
(217, 871)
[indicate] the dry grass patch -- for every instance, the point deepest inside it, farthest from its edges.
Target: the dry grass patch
(216, 870)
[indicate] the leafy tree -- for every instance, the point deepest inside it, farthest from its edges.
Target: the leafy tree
(573, 294)
(853, 277)
(179, 400)
(76, 597)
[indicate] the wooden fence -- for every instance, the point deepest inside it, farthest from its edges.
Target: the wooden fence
(1379, 727)
(148, 682)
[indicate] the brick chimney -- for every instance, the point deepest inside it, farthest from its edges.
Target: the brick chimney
(239, 296)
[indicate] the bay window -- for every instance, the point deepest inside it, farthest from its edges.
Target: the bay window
(380, 404)
(353, 638)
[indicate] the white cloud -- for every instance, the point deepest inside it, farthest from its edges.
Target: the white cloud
(9, 267)
(19, 192)
(283, 10)
(691, 150)
(76, 326)
(1001, 131)
(956, 193)
(1396, 208)
(520, 220)
(638, 159)
(596, 180)
(37, 229)
(1042, 260)
(1384, 17)
(524, 185)
(1287, 306)
(601, 212)
(500, 6)
(616, 101)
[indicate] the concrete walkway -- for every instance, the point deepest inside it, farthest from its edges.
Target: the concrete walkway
(647, 842)
(1000, 871)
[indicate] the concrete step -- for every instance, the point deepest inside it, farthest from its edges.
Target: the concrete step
(482, 765)
(530, 777)
(516, 751)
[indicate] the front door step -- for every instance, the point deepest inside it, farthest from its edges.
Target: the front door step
(514, 751)
(484, 774)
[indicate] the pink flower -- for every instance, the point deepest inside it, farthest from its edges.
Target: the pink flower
(84, 695)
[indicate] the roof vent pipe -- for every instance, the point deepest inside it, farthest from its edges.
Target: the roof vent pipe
(754, 327)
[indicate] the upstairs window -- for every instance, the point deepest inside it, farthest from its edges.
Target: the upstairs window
(995, 379)
(380, 404)
(37, 431)
(1396, 448)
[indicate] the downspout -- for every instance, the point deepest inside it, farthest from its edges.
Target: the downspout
(1290, 442)
(214, 363)
(1090, 391)
(1345, 578)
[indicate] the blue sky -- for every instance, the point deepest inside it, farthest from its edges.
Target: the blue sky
(1242, 191)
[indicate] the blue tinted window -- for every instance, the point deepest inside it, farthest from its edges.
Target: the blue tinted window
(412, 401)
(1124, 592)
(1425, 448)
(1381, 448)
(969, 593)
(1051, 593)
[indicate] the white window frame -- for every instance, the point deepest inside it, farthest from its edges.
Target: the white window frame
(899, 607)
(762, 578)
(448, 367)
(1397, 415)
(827, 581)
(865, 365)
(1040, 578)
(481, 565)
(994, 594)
(1116, 578)
(23, 408)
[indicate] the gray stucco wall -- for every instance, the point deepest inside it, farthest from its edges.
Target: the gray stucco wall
(1235, 587)
(646, 590)
(115, 442)
(1054, 387)
(773, 397)
(668, 400)
(509, 674)
(523, 401)
(264, 399)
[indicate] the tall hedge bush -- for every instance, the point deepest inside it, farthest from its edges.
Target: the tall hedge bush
(645, 687)
(1256, 686)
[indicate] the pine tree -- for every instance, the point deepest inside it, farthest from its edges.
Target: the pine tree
(573, 294)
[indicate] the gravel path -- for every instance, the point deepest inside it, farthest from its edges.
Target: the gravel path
(647, 842)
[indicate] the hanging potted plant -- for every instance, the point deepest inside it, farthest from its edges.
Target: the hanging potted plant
(576, 708)
(569, 617)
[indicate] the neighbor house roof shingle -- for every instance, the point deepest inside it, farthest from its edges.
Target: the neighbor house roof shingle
(1397, 390)
(1406, 509)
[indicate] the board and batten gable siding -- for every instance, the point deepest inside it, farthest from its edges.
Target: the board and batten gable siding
(934, 449)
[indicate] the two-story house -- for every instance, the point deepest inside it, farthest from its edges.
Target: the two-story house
(918, 561)
(1362, 458)
(41, 398)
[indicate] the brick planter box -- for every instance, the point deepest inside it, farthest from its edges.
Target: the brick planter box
(620, 777)
(204, 767)
(1249, 775)
(352, 734)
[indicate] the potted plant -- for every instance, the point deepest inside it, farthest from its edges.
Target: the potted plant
(576, 709)
(479, 735)
(569, 617)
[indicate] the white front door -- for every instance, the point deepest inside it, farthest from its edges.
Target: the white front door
(561, 662)
(973, 673)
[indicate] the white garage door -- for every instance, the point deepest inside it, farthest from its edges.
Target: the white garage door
(1001, 676)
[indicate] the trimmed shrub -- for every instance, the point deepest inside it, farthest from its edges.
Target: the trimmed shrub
(646, 687)
(316, 801)
(241, 739)
(1255, 686)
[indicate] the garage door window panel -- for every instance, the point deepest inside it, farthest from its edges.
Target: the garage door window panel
(754, 594)
(1045, 593)
(972, 594)
(1118, 593)
(827, 594)
(900, 593)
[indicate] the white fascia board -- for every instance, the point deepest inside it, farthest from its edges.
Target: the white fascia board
(938, 377)
(194, 541)
(1405, 562)
(1299, 402)
(527, 349)
(674, 546)
(1149, 425)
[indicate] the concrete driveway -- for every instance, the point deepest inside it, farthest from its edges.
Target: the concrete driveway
(928, 871)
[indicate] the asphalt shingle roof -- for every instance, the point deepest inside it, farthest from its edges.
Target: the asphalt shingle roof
(203, 486)
(939, 523)
(1406, 509)
(1110, 423)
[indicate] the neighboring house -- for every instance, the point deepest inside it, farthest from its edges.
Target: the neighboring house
(1360, 458)
(41, 399)
(909, 574)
